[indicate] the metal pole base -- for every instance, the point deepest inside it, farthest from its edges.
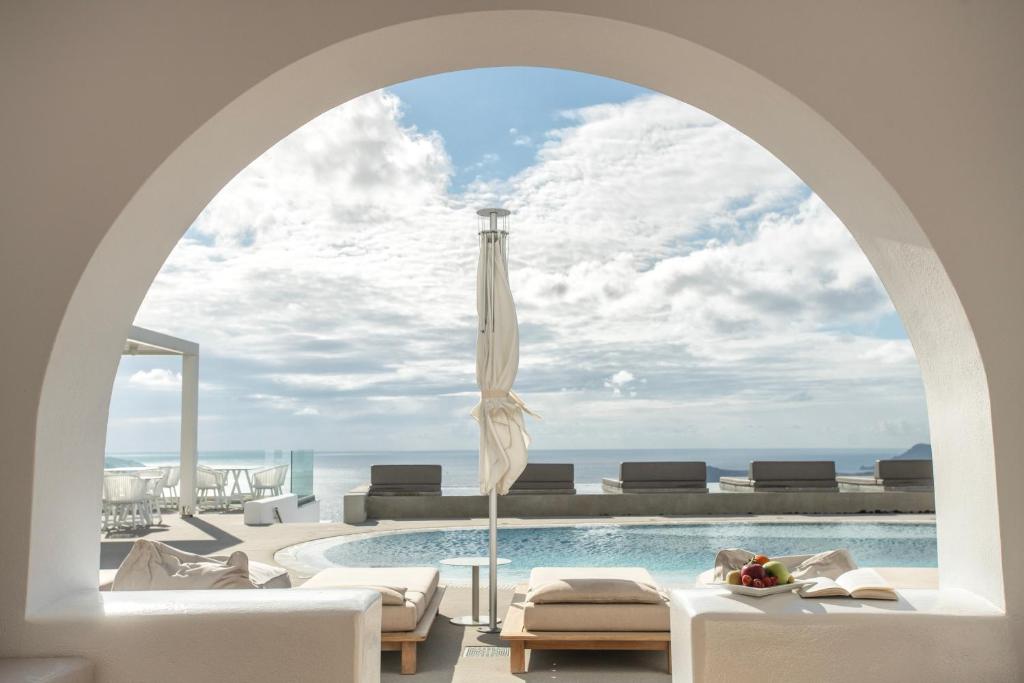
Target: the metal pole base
(489, 628)
(470, 621)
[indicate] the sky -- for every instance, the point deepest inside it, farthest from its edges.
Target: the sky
(677, 286)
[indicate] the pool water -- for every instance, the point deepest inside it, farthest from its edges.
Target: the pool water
(674, 553)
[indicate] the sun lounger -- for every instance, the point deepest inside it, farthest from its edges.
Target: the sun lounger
(543, 477)
(786, 476)
(658, 477)
(586, 608)
(892, 475)
(411, 597)
(405, 480)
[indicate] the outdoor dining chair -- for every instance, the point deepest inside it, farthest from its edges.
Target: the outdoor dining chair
(125, 501)
(269, 481)
(170, 491)
(210, 483)
(155, 479)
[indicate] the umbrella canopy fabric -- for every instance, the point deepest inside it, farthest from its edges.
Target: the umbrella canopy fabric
(503, 435)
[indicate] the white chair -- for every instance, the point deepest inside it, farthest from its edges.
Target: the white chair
(125, 500)
(170, 492)
(211, 483)
(156, 479)
(268, 481)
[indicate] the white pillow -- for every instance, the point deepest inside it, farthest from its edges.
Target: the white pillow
(389, 595)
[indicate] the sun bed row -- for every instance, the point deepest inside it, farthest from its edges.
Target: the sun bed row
(675, 477)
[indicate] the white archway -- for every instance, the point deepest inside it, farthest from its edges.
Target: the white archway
(72, 405)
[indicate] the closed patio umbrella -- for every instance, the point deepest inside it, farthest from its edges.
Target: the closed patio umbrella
(503, 436)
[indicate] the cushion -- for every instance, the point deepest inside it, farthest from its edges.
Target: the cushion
(617, 591)
(903, 469)
(586, 577)
(596, 617)
(155, 566)
(390, 595)
(663, 472)
(791, 470)
(546, 471)
(405, 474)
(419, 582)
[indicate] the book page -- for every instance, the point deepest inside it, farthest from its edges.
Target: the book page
(822, 587)
(861, 579)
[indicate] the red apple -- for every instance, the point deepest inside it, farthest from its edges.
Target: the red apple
(753, 570)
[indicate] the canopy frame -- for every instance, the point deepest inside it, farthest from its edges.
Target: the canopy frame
(144, 342)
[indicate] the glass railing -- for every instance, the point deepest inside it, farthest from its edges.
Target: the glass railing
(302, 474)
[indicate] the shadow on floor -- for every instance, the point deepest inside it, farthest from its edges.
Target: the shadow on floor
(113, 550)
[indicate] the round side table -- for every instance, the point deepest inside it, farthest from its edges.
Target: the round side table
(475, 563)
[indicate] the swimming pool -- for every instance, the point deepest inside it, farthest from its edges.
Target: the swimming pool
(674, 553)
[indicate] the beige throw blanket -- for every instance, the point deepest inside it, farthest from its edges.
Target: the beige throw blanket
(830, 563)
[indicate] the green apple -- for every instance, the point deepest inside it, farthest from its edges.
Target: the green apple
(733, 577)
(778, 570)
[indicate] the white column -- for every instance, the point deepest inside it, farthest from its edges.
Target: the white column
(189, 433)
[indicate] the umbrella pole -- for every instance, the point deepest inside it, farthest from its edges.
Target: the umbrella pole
(492, 583)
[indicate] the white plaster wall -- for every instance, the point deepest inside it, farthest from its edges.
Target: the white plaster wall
(121, 122)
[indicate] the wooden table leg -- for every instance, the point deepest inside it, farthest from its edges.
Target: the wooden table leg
(408, 657)
(668, 654)
(517, 656)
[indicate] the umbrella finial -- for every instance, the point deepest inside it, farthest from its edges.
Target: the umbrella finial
(496, 220)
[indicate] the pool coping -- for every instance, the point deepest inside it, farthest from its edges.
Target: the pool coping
(287, 557)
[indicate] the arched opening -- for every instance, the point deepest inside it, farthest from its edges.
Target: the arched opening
(79, 375)
(679, 289)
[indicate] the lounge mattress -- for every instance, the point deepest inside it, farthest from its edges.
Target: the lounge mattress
(419, 583)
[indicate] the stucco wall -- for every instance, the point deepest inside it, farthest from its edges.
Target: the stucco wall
(121, 121)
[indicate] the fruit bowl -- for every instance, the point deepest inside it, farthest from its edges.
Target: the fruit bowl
(760, 576)
(740, 589)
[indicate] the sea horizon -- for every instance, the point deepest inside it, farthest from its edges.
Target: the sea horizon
(337, 472)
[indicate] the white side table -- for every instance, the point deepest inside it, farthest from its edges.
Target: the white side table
(475, 563)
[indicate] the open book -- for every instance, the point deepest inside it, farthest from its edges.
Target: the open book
(856, 583)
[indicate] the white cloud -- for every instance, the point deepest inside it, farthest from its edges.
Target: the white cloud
(618, 381)
(522, 140)
(333, 279)
(157, 378)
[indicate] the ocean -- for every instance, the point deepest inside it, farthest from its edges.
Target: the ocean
(336, 472)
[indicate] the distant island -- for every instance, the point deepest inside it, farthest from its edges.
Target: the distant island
(919, 451)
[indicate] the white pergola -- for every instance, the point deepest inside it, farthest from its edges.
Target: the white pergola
(143, 342)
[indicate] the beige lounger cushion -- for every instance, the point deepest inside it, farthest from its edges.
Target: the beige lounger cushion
(597, 615)
(591, 591)
(419, 584)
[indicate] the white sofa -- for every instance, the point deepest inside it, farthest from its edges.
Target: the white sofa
(926, 635)
(219, 635)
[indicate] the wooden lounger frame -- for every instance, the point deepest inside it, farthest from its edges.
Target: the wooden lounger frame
(520, 640)
(406, 641)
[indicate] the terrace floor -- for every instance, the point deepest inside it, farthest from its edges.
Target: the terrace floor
(442, 656)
